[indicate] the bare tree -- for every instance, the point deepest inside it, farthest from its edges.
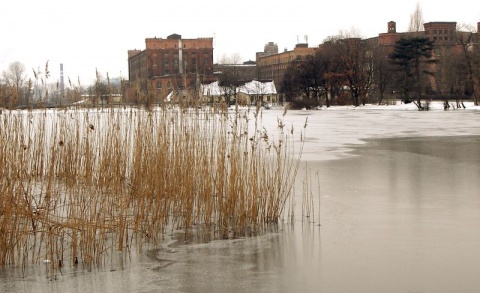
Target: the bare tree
(449, 76)
(15, 78)
(383, 72)
(230, 77)
(471, 53)
(331, 79)
(416, 20)
(291, 86)
(355, 61)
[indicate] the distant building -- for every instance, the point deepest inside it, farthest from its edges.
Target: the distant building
(274, 66)
(253, 92)
(243, 72)
(443, 34)
(171, 64)
(271, 48)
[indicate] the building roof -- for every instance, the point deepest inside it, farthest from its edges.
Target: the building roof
(253, 87)
(212, 89)
(256, 87)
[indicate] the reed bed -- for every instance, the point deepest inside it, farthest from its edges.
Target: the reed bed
(79, 185)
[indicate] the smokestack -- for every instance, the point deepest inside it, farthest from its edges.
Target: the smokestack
(62, 84)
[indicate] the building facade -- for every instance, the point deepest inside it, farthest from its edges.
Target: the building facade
(273, 66)
(448, 42)
(171, 64)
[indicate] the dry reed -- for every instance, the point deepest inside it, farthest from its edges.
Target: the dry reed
(77, 185)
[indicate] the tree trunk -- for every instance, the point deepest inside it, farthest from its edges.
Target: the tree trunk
(476, 91)
(327, 100)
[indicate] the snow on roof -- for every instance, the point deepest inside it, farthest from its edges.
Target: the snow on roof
(169, 97)
(253, 87)
(256, 87)
(212, 89)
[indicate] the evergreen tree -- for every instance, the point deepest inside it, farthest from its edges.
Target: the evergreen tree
(410, 54)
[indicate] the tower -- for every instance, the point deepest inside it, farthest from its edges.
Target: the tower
(62, 84)
(392, 27)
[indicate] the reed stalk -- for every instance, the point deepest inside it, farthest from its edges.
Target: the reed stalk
(76, 184)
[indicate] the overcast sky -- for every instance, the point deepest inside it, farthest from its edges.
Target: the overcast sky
(88, 35)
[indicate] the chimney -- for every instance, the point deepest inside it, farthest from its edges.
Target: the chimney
(62, 84)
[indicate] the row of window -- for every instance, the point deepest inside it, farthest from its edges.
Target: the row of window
(166, 62)
(159, 85)
(168, 54)
(442, 38)
(440, 32)
(283, 60)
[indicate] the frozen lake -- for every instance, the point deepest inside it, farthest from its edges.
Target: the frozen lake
(400, 211)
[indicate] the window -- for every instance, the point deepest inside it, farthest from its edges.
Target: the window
(194, 61)
(168, 85)
(167, 72)
(434, 32)
(159, 85)
(205, 61)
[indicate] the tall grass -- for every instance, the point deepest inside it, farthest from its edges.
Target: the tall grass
(77, 185)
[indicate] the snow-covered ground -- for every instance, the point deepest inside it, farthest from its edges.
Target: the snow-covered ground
(331, 132)
(434, 106)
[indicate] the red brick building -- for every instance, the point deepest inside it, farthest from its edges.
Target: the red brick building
(171, 64)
